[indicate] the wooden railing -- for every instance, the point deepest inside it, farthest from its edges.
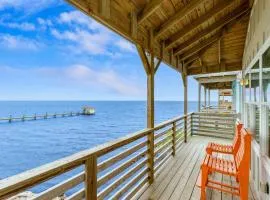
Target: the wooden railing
(214, 124)
(114, 170)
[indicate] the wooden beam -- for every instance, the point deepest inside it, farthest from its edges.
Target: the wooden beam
(200, 46)
(144, 58)
(216, 79)
(233, 66)
(149, 9)
(134, 25)
(219, 51)
(195, 24)
(222, 66)
(203, 67)
(105, 8)
(240, 11)
(192, 59)
(161, 56)
(177, 17)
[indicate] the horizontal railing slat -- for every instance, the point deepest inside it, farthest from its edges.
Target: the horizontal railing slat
(60, 188)
(114, 172)
(120, 180)
(107, 163)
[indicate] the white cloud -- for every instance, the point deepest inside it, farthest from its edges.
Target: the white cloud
(79, 18)
(18, 42)
(77, 76)
(84, 41)
(125, 46)
(28, 6)
(44, 23)
(25, 26)
(108, 78)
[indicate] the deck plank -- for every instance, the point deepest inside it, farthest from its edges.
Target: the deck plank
(177, 179)
(161, 182)
(190, 185)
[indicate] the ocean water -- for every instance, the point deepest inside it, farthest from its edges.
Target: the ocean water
(29, 144)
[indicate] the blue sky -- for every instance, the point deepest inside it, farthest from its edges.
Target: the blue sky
(51, 51)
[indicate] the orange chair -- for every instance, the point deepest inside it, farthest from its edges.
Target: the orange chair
(227, 149)
(239, 168)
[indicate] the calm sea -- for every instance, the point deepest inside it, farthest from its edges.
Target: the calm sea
(25, 145)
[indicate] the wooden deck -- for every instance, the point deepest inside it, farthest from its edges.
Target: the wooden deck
(178, 178)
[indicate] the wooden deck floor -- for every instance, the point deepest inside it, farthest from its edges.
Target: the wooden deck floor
(178, 178)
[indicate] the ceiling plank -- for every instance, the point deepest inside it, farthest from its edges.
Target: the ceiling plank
(195, 24)
(240, 11)
(200, 46)
(177, 17)
(149, 9)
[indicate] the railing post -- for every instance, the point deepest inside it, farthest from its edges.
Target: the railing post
(185, 128)
(91, 178)
(173, 138)
(191, 123)
(151, 156)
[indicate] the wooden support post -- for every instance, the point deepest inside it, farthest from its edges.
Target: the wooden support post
(150, 107)
(204, 97)
(91, 178)
(209, 102)
(173, 138)
(184, 76)
(199, 97)
(149, 67)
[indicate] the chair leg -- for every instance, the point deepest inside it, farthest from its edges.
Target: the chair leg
(244, 187)
(204, 181)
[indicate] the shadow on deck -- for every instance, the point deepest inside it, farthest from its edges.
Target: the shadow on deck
(177, 179)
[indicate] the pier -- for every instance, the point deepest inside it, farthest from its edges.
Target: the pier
(85, 111)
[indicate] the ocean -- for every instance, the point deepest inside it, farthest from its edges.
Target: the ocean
(29, 144)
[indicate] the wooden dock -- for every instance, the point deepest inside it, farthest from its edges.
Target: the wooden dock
(38, 117)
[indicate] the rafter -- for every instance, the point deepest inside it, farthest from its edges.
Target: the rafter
(201, 46)
(195, 24)
(230, 18)
(149, 9)
(192, 59)
(177, 17)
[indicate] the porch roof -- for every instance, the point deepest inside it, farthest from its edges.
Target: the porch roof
(191, 36)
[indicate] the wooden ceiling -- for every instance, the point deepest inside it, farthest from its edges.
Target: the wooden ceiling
(192, 36)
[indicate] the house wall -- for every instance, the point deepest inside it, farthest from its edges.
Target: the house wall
(258, 30)
(256, 110)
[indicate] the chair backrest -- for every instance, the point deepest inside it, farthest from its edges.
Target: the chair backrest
(242, 158)
(237, 137)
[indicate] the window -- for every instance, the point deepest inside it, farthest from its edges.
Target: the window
(266, 97)
(255, 83)
(247, 91)
(266, 76)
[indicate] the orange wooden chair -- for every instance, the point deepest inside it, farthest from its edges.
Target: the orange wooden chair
(239, 168)
(227, 149)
